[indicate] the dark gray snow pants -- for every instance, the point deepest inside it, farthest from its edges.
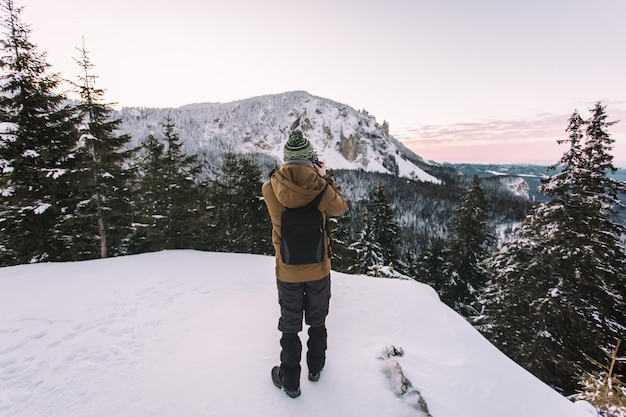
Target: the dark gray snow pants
(298, 300)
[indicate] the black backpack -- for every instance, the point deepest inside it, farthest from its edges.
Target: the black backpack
(302, 234)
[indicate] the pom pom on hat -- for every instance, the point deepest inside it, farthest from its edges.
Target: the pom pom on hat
(298, 147)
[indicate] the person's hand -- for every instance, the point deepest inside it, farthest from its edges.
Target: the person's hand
(321, 168)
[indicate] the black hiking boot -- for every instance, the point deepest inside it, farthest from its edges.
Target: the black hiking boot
(314, 376)
(278, 381)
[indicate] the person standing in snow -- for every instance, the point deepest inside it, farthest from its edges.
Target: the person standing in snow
(303, 289)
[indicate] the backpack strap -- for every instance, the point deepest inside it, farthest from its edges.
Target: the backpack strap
(316, 201)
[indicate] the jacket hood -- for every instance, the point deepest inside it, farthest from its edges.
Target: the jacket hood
(296, 184)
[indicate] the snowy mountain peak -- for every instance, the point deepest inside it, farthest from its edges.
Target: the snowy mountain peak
(342, 136)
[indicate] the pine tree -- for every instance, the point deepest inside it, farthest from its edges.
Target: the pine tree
(384, 228)
(37, 142)
(369, 252)
(256, 226)
(238, 218)
(168, 204)
(379, 240)
(599, 192)
(182, 197)
(471, 242)
(149, 189)
(344, 255)
(559, 283)
(434, 266)
(100, 221)
(224, 221)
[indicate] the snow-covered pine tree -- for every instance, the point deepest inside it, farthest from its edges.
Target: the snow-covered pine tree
(256, 234)
(168, 204)
(368, 252)
(471, 242)
(149, 207)
(223, 218)
(559, 292)
(384, 227)
(433, 266)
(238, 220)
(343, 255)
(606, 263)
(184, 206)
(379, 240)
(599, 192)
(100, 221)
(37, 141)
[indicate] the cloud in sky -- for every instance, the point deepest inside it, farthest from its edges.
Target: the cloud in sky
(530, 140)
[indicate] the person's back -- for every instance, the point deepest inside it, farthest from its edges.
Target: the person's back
(303, 289)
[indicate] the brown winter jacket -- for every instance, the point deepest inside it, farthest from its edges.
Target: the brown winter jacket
(294, 185)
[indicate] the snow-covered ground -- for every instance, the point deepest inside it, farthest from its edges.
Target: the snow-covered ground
(184, 333)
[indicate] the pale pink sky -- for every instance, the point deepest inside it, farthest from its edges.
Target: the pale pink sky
(530, 140)
(457, 80)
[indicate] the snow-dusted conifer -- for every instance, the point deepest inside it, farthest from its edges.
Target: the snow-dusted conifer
(369, 252)
(559, 292)
(238, 220)
(183, 199)
(168, 202)
(471, 242)
(256, 226)
(149, 189)
(100, 221)
(384, 227)
(343, 255)
(433, 266)
(37, 140)
(379, 240)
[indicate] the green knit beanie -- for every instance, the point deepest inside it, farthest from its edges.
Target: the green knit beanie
(298, 147)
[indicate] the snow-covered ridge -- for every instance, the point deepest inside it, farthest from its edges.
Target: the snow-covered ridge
(186, 333)
(342, 136)
(517, 185)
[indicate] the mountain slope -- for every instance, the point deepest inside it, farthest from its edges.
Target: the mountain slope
(184, 333)
(342, 136)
